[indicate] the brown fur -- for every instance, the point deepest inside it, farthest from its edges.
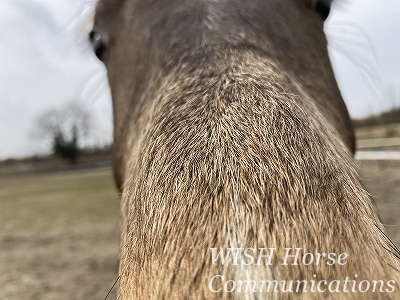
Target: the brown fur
(230, 132)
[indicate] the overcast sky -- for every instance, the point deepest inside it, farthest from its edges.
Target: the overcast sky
(46, 62)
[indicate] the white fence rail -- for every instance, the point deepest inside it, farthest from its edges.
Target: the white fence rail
(362, 154)
(377, 155)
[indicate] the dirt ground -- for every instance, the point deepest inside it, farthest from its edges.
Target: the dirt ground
(59, 232)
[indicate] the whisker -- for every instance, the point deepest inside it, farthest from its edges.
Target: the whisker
(109, 292)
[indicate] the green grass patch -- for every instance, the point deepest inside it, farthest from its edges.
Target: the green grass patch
(39, 199)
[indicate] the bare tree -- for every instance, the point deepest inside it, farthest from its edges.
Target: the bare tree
(62, 130)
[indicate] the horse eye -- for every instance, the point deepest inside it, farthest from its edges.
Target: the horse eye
(322, 7)
(99, 42)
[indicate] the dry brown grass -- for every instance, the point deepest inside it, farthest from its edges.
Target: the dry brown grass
(378, 131)
(382, 179)
(59, 236)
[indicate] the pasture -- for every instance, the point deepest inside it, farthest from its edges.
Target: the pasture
(59, 232)
(59, 235)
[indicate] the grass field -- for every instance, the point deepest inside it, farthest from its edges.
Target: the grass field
(59, 236)
(59, 232)
(382, 180)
